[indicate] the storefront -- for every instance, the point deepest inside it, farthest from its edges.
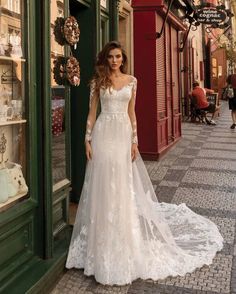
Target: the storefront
(42, 128)
(157, 67)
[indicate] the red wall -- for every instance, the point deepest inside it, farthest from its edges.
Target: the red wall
(156, 66)
(145, 71)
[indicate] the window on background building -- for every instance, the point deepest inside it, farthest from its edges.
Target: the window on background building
(214, 68)
(17, 6)
(10, 5)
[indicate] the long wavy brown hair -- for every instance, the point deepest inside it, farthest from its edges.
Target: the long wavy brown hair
(101, 78)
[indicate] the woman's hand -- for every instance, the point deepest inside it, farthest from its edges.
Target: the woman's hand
(88, 150)
(134, 151)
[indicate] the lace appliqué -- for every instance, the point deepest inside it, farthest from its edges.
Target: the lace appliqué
(88, 132)
(134, 123)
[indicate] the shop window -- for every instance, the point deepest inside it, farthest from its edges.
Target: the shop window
(58, 104)
(13, 118)
(220, 71)
(214, 68)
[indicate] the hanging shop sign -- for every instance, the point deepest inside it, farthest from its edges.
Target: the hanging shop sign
(211, 16)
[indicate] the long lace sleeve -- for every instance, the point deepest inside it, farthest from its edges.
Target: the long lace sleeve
(93, 102)
(131, 112)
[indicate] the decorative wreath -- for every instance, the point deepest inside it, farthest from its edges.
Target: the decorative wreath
(59, 31)
(73, 71)
(71, 30)
(66, 31)
(59, 72)
(66, 71)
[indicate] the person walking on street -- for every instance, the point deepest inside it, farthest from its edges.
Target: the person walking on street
(231, 81)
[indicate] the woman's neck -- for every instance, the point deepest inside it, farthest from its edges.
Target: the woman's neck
(116, 74)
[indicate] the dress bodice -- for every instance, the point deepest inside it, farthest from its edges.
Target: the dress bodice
(117, 101)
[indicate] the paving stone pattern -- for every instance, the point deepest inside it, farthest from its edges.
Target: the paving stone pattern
(201, 171)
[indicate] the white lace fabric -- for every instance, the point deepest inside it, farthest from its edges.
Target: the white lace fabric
(121, 231)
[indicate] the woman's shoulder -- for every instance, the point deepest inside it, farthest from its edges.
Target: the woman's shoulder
(132, 79)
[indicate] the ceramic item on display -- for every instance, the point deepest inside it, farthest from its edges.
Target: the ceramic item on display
(17, 108)
(11, 187)
(16, 177)
(6, 94)
(2, 51)
(6, 113)
(3, 184)
(15, 40)
(8, 51)
(8, 188)
(4, 43)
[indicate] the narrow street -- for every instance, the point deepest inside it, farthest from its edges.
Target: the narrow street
(201, 171)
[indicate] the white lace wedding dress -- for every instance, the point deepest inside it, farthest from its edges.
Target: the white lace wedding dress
(121, 231)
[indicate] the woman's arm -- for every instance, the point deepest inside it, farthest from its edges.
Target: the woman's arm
(132, 116)
(94, 98)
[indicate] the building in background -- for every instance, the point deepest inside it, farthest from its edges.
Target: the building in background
(207, 50)
(192, 65)
(216, 42)
(231, 48)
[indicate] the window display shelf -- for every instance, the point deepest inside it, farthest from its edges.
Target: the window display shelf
(12, 201)
(12, 122)
(12, 58)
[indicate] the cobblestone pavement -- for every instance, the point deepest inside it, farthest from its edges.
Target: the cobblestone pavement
(200, 171)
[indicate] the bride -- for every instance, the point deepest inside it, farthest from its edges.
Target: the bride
(121, 232)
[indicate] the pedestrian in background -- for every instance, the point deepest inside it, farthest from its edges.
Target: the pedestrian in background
(201, 102)
(231, 81)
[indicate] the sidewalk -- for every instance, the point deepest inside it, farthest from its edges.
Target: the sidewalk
(200, 171)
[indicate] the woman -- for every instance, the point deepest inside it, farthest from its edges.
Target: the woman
(231, 81)
(121, 232)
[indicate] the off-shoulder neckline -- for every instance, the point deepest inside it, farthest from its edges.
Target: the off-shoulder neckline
(133, 79)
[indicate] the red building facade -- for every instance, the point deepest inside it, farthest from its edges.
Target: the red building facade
(157, 68)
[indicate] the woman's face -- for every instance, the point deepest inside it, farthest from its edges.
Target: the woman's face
(115, 59)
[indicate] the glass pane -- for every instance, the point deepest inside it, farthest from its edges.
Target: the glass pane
(58, 103)
(12, 104)
(103, 32)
